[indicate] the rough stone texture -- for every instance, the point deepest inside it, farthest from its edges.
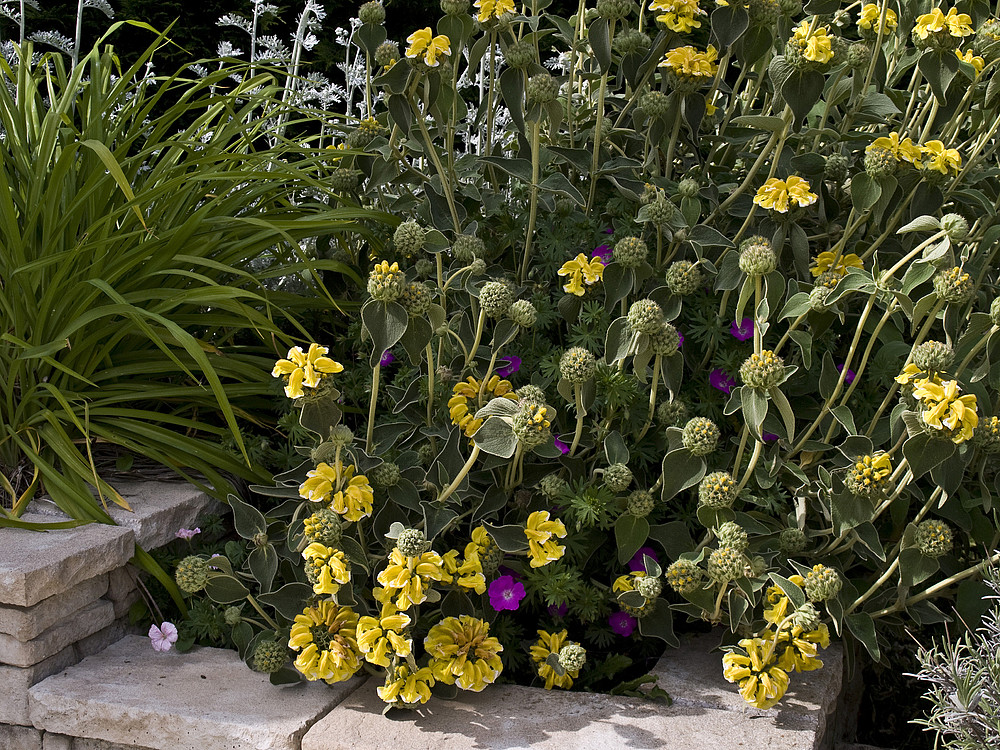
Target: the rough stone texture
(122, 589)
(25, 623)
(56, 742)
(159, 509)
(100, 640)
(20, 738)
(86, 621)
(206, 699)
(856, 746)
(508, 717)
(15, 681)
(38, 565)
(82, 743)
(692, 675)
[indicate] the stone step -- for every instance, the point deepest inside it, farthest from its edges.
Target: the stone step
(205, 699)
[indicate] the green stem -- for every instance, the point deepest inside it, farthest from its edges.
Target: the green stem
(450, 489)
(371, 407)
(262, 613)
(580, 414)
(479, 337)
(533, 211)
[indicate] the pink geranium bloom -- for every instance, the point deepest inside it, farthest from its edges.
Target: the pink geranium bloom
(742, 330)
(720, 379)
(622, 623)
(506, 593)
(188, 534)
(164, 637)
(512, 366)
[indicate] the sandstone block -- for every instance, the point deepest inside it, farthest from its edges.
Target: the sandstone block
(20, 738)
(15, 682)
(206, 699)
(38, 565)
(103, 638)
(84, 622)
(56, 742)
(82, 743)
(25, 623)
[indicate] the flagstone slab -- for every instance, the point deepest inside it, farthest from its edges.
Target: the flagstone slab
(85, 622)
(206, 699)
(20, 738)
(37, 565)
(25, 623)
(16, 681)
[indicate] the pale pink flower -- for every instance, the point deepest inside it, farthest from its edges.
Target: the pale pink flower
(164, 637)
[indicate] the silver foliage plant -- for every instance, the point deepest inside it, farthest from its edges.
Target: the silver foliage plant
(964, 678)
(15, 11)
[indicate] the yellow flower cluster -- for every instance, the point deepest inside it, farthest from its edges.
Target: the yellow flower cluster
(954, 24)
(325, 635)
(462, 651)
(552, 643)
(326, 483)
(690, 63)
(815, 44)
(678, 15)
(469, 573)
(581, 271)
(458, 405)
(406, 580)
(380, 638)
(541, 533)
(869, 19)
(903, 150)
(779, 195)
(491, 10)
(428, 48)
(326, 568)
(945, 409)
(973, 59)
(827, 262)
(761, 681)
(304, 369)
(406, 685)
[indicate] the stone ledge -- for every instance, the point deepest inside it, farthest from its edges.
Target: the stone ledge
(20, 738)
(206, 699)
(83, 623)
(15, 682)
(25, 623)
(38, 565)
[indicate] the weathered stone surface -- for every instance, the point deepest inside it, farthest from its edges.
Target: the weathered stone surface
(25, 623)
(38, 565)
(15, 681)
(692, 675)
(56, 742)
(20, 738)
(94, 644)
(82, 743)
(517, 718)
(206, 699)
(84, 622)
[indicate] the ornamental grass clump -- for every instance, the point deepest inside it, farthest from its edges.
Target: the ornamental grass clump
(707, 332)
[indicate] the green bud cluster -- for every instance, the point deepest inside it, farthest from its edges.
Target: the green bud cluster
(614, 10)
(640, 503)
(731, 534)
(385, 282)
(933, 538)
(531, 423)
(757, 258)
(631, 42)
(822, 583)
(496, 297)
(727, 564)
(763, 13)
(344, 180)
(880, 162)
(411, 542)
(654, 103)
(649, 586)
(232, 616)
(953, 286)
(762, 371)
(417, 299)
(672, 413)
(956, 226)
(455, 7)
(467, 247)
(409, 238)
(717, 490)
(192, 574)
(387, 54)
(665, 341)
(385, 475)
(817, 298)
(792, 541)
(933, 356)
(542, 88)
(323, 526)
(553, 486)
(859, 55)
(523, 313)
(987, 435)
(806, 617)
(631, 252)
(617, 477)
(645, 316)
(577, 365)
(836, 168)
(684, 278)
(684, 577)
(371, 13)
(270, 656)
(700, 436)
(520, 55)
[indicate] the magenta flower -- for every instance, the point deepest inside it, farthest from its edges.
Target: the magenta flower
(164, 637)
(604, 252)
(563, 448)
(558, 610)
(622, 623)
(387, 358)
(637, 563)
(849, 377)
(188, 534)
(742, 330)
(768, 437)
(609, 230)
(513, 365)
(720, 379)
(506, 593)
(680, 339)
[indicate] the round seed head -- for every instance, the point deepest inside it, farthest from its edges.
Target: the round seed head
(700, 436)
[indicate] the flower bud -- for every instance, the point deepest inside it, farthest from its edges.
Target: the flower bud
(520, 55)
(880, 162)
(717, 490)
(665, 341)
(631, 252)
(341, 436)
(532, 422)
(933, 538)
(956, 226)
(270, 656)
(572, 657)
(672, 413)
(806, 617)
(417, 299)
(496, 297)
(344, 180)
(323, 526)
(577, 365)
(386, 282)
(869, 475)
(232, 616)
(385, 475)
(684, 577)
(859, 55)
(987, 435)
(822, 583)
(757, 258)
(477, 267)
(424, 268)
(792, 541)
(617, 477)
(455, 7)
(466, 248)
(762, 371)
(408, 238)
(649, 586)
(631, 42)
(553, 486)
(818, 297)
(700, 436)
(727, 564)
(192, 574)
(684, 278)
(426, 453)
(614, 9)
(645, 316)
(654, 103)
(731, 534)
(543, 88)
(836, 168)
(386, 54)
(640, 503)
(953, 286)
(523, 313)
(372, 13)
(933, 356)
(412, 542)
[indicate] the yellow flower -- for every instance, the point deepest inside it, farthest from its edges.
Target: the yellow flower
(974, 60)
(947, 411)
(817, 46)
(423, 46)
(551, 643)
(469, 573)
(943, 160)
(381, 637)
(824, 262)
(779, 604)
(458, 405)
(406, 686)
(778, 195)
(762, 683)
(581, 270)
(869, 18)
(320, 482)
(326, 568)
(903, 150)
(493, 9)
(626, 582)
(326, 637)
(912, 373)
(955, 23)
(689, 62)
(353, 502)
(463, 651)
(407, 579)
(678, 15)
(798, 648)
(542, 548)
(302, 369)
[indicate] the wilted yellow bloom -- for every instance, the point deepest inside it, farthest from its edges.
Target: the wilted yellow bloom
(816, 46)
(954, 23)
(945, 410)
(551, 643)
(304, 369)
(462, 651)
(825, 262)
(406, 580)
(581, 270)
(428, 47)
(406, 686)
(326, 637)
(492, 9)
(941, 159)
(869, 18)
(690, 62)
(778, 195)
(974, 60)
(778, 604)
(542, 548)
(379, 638)
(762, 683)
(798, 649)
(326, 568)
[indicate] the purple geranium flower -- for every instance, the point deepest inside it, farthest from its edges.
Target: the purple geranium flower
(742, 330)
(604, 252)
(563, 448)
(609, 230)
(637, 563)
(849, 377)
(164, 637)
(512, 366)
(680, 339)
(558, 610)
(720, 379)
(506, 593)
(622, 623)
(387, 358)
(768, 437)
(188, 534)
